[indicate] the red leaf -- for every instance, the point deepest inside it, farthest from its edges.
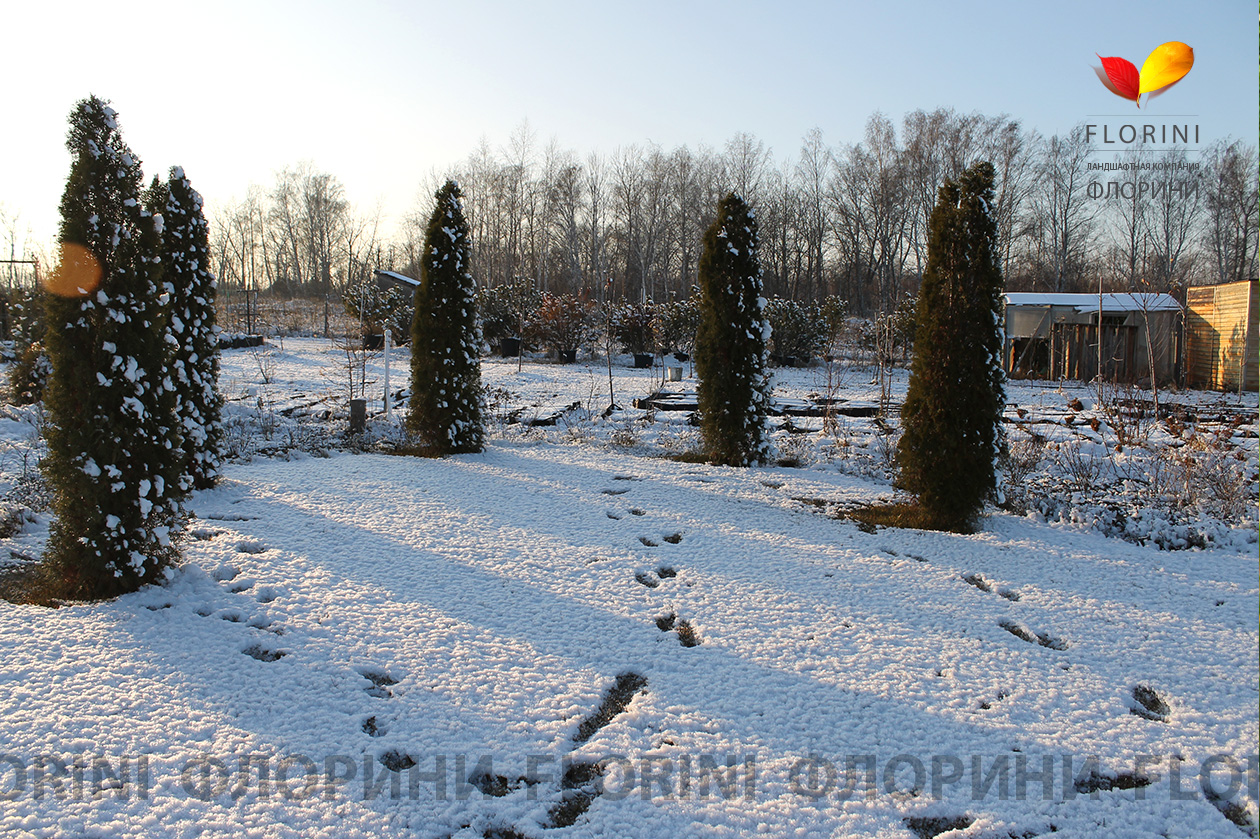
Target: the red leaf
(1122, 75)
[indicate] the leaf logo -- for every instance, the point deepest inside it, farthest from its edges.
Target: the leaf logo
(1165, 66)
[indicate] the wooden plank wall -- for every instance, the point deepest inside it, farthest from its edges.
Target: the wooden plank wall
(1220, 335)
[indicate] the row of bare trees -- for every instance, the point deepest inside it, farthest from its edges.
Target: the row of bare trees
(299, 237)
(849, 219)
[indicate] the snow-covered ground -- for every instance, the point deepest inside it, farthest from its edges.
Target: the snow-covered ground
(732, 654)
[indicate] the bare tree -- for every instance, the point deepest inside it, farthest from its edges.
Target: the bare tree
(1230, 202)
(1062, 224)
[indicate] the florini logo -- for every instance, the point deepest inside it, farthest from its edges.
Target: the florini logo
(1164, 67)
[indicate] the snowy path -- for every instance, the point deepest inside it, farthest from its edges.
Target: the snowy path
(355, 608)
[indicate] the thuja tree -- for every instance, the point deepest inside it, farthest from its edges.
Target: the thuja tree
(954, 404)
(113, 446)
(446, 391)
(190, 287)
(731, 339)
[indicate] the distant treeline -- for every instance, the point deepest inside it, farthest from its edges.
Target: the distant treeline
(848, 219)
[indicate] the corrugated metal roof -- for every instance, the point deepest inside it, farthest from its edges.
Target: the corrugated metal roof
(1111, 302)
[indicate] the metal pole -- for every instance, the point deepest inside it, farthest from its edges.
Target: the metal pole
(387, 400)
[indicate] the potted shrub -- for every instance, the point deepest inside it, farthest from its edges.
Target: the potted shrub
(674, 325)
(506, 310)
(632, 326)
(798, 330)
(563, 322)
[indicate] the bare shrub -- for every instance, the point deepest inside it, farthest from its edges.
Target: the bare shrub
(1081, 468)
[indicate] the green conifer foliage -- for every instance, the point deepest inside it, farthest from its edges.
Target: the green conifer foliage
(731, 340)
(446, 392)
(195, 369)
(954, 404)
(113, 445)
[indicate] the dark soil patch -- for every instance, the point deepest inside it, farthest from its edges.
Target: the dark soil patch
(1153, 706)
(977, 581)
(1018, 631)
(933, 826)
(580, 786)
(373, 729)
(1232, 811)
(616, 700)
(1101, 783)
(396, 761)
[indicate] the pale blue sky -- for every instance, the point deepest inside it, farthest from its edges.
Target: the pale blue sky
(380, 93)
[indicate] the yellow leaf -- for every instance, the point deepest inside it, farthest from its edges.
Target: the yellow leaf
(1166, 65)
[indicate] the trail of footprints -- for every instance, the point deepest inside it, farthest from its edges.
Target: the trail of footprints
(580, 784)
(670, 622)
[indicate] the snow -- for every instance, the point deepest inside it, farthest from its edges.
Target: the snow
(1111, 302)
(477, 608)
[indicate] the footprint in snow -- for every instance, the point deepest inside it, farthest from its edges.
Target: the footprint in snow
(984, 585)
(204, 534)
(635, 511)
(373, 728)
(225, 573)
(647, 542)
(396, 761)
(266, 594)
(380, 682)
(646, 579)
(1045, 640)
(1149, 704)
(256, 651)
(613, 516)
(250, 546)
(613, 491)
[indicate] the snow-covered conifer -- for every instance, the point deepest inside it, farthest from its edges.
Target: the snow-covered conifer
(446, 392)
(113, 445)
(731, 340)
(954, 404)
(195, 370)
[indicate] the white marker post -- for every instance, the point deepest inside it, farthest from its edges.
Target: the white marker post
(387, 416)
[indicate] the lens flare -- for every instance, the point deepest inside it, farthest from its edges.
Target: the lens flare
(78, 272)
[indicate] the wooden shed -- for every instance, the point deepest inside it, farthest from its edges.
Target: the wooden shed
(1221, 344)
(1056, 336)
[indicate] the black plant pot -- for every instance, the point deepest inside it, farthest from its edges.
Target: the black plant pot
(643, 361)
(682, 357)
(567, 356)
(374, 342)
(510, 347)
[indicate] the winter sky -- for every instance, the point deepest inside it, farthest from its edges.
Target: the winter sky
(383, 93)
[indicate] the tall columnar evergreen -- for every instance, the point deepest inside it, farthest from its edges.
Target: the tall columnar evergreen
(113, 445)
(191, 289)
(954, 404)
(731, 340)
(446, 391)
